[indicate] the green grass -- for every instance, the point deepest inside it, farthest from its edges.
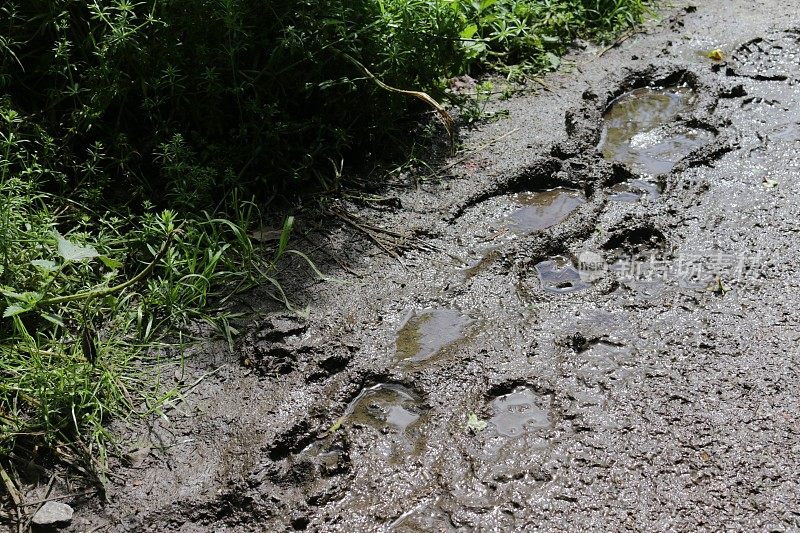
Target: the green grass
(86, 297)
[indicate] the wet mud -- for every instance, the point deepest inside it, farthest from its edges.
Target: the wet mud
(642, 129)
(599, 333)
(543, 209)
(430, 333)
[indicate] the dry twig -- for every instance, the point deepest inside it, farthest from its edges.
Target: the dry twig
(469, 154)
(447, 120)
(624, 37)
(387, 240)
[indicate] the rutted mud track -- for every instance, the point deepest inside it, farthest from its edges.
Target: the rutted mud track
(622, 323)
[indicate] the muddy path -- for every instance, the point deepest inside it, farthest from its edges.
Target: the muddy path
(594, 323)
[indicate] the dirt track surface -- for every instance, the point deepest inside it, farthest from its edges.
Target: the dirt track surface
(627, 344)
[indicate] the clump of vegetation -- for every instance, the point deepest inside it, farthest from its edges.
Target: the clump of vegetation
(534, 33)
(187, 99)
(120, 121)
(84, 294)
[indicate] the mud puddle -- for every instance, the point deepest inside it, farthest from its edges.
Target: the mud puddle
(518, 412)
(533, 205)
(642, 129)
(634, 190)
(544, 209)
(385, 406)
(329, 459)
(428, 333)
(559, 275)
(508, 217)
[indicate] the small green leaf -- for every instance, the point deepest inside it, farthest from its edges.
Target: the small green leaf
(718, 286)
(53, 319)
(554, 60)
(769, 183)
(476, 424)
(486, 4)
(45, 264)
(287, 231)
(469, 31)
(73, 252)
(14, 309)
(27, 297)
(336, 425)
(113, 264)
(475, 48)
(304, 313)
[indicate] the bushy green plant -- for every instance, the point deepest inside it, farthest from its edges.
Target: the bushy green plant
(170, 97)
(201, 95)
(83, 296)
(537, 32)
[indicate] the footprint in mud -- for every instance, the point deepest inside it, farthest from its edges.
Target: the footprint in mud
(329, 460)
(560, 276)
(637, 260)
(534, 211)
(771, 59)
(428, 333)
(519, 412)
(544, 209)
(604, 361)
(385, 406)
(635, 241)
(788, 133)
(640, 129)
(634, 190)
(779, 128)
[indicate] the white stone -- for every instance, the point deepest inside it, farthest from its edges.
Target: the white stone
(53, 513)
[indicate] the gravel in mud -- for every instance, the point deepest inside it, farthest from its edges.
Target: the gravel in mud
(594, 327)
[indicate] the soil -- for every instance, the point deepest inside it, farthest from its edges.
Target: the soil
(593, 323)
